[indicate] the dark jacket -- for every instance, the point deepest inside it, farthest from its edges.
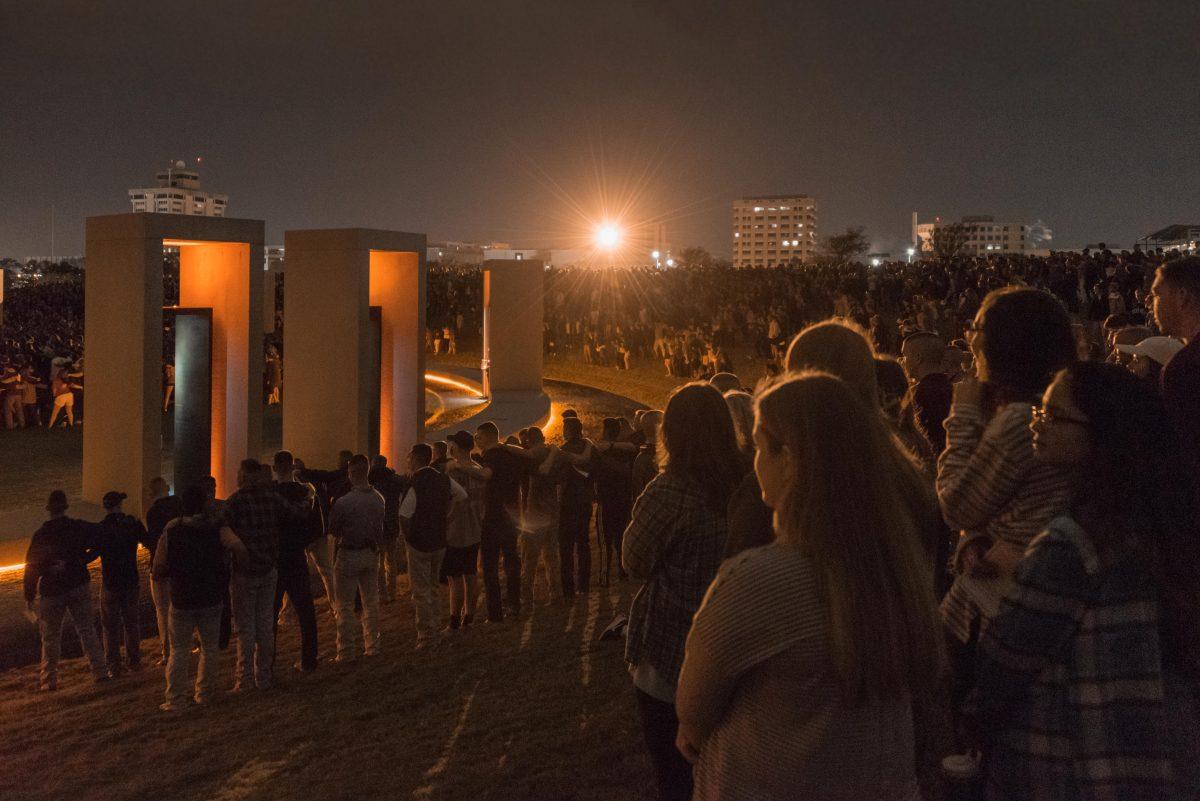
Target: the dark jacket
(120, 535)
(58, 555)
(297, 533)
(392, 486)
(196, 563)
(751, 522)
(161, 512)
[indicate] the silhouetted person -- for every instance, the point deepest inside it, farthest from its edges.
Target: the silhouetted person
(119, 537)
(56, 583)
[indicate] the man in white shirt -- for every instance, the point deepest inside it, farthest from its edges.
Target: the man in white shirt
(356, 527)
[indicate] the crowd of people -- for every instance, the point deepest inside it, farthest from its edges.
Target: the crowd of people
(694, 322)
(973, 567)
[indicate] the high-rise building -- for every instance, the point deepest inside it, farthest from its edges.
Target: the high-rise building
(981, 235)
(774, 230)
(178, 192)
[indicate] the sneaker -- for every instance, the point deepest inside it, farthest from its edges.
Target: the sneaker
(114, 673)
(170, 708)
(467, 620)
(300, 667)
(48, 687)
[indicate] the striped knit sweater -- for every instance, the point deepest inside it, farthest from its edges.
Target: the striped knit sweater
(991, 486)
(758, 687)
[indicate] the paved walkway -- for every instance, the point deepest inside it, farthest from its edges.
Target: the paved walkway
(510, 411)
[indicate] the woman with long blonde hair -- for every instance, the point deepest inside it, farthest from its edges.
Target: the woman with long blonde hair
(841, 348)
(803, 660)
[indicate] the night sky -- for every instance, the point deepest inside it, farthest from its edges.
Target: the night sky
(522, 121)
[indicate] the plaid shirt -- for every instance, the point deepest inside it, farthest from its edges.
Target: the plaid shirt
(1070, 683)
(256, 515)
(675, 543)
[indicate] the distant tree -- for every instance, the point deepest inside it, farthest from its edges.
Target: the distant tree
(695, 257)
(843, 248)
(949, 241)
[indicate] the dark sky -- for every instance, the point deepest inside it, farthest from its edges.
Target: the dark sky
(520, 121)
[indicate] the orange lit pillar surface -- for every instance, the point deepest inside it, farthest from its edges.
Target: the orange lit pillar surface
(123, 342)
(513, 324)
(333, 279)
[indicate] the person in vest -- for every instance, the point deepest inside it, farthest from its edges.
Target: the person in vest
(119, 539)
(295, 536)
(56, 582)
(192, 554)
(424, 513)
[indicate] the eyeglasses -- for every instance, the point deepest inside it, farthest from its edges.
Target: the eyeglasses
(1047, 416)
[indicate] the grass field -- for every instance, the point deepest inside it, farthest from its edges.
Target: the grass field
(534, 708)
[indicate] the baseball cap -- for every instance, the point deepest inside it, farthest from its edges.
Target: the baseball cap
(1160, 349)
(112, 498)
(463, 439)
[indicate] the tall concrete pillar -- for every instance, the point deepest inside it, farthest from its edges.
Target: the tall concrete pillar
(123, 343)
(513, 322)
(334, 277)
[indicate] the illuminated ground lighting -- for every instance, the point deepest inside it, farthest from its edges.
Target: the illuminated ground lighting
(11, 568)
(443, 380)
(608, 236)
(551, 420)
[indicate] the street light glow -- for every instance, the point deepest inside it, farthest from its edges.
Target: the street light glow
(654, 254)
(608, 236)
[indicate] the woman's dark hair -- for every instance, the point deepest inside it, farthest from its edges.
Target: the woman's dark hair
(699, 441)
(1138, 498)
(1027, 338)
(193, 500)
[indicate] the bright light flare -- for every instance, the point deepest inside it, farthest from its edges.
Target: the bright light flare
(608, 236)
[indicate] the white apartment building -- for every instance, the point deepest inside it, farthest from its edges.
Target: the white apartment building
(178, 192)
(983, 235)
(774, 230)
